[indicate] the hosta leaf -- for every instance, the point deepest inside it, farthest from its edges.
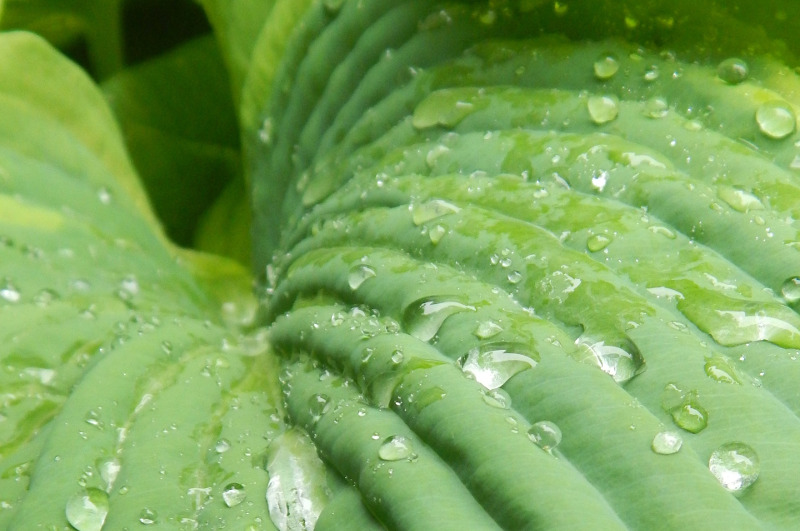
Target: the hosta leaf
(132, 391)
(178, 120)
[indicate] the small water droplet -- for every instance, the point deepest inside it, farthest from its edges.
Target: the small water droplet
(685, 408)
(45, 297)
(621, 363)
(233, 494)
(423, 318)
(397, 357)
(428, 396)
(318, 405)
(497, 398)
(87, 510)
(739, 200)
(148, 516)
(424, 212)
(436, 234)
(776, 119)
(651, 73)
(359, 274)
(656, 108)
(666, 442)
(598, 242)
(222, 446)
(719, 368)
(265, 131)
(791, 290)
(8, 291)
(732, 70)
(606, 66)
(493, 364)
(545, 434)
(487, 329)
(602, 109)
(396, 448)
(735, 465)
(515, 277)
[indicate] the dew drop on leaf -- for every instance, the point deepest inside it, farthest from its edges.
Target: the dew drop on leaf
(597, 242)
(790, 290)
(233, 494)
(606, 66)
(493, 364)
(430, 210)
(318, 405)
(396, 448)
(735, 465)
(719, 368)
(733, 70)
(776, 119)
(487, 329)
(666, 442)
(545, 434)
(602, 109)
(497, 398)
(87, 510)
(8, 291)
(424, 317)
(148, 516)
(358, 275)
(656, 108)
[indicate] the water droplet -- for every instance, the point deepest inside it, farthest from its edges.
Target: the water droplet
(436, 234)
(497, 398)
(148, 516)
(622, 364)
(560, 8)
(684, 407)
(598, 242)
(428, 396)
(545, 434)
(666, 442)
(109, 470)
(445, 107)
(104, 195)
(265, 132)
(663, 231)
(493, 364)
(318, 405)
(359, 274)
(776, 119)
(397, 357)
(233, 494)
(791, 290)
(487, 329)
(424, 212)
(732, 70)
(222, 446)
(735, 465)
(45, 297)
(651, 73)
(719, 368)
(87, 510)
(656, 108)
(739, 200)
(602, 109)
(9, 292)
(396, 448)
(515, 277)
(606, 66)
(423, 318)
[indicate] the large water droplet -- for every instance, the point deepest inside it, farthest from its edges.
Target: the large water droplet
(444, 108)
(430, 210)
(719, 368)
(602, 109)
(739, 199)
(358, 275)
(109, 470)
(396, 448)
(493, 364)
(436, 233)
(606, 66)
(685, 408)
(423, 318)
(545, 434)
(666, 442)
(87, 510)
(776, 119)
(735, 465)
(233, 494)
(733, 70)
(621, 363)
(791, 290)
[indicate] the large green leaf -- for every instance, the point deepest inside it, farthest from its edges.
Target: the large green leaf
(131, 387)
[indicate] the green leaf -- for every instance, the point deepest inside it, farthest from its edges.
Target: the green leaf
(180, 128)
(130, 378)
